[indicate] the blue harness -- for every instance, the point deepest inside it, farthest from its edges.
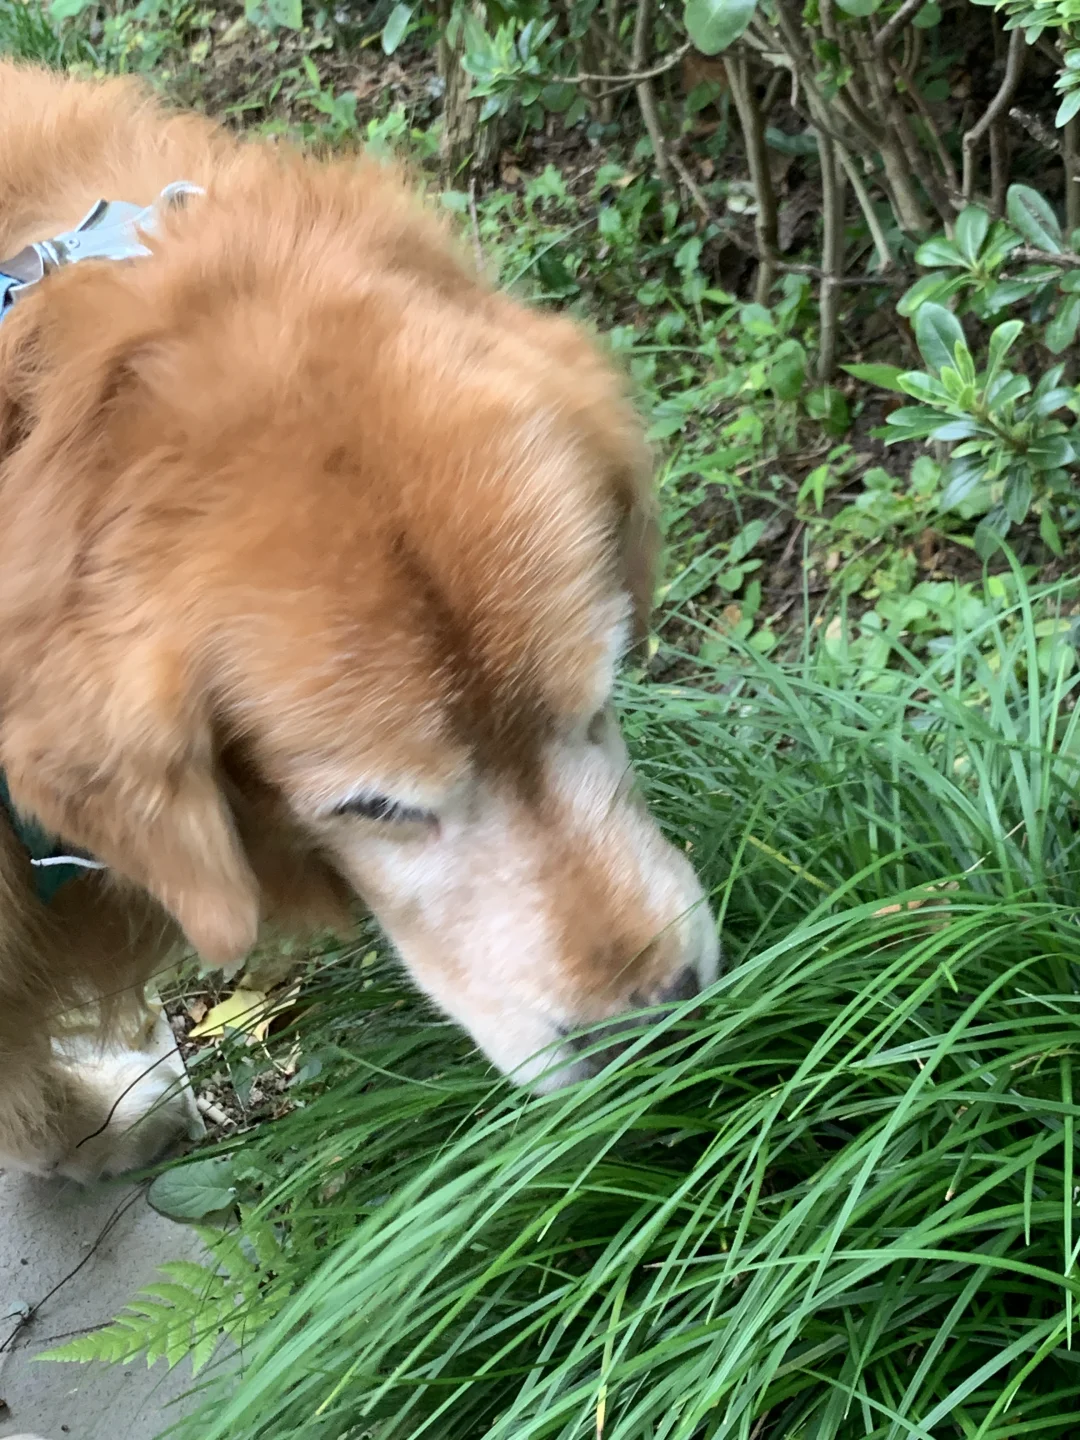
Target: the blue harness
(111, 230)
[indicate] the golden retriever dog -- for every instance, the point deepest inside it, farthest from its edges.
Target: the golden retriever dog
(317, 558)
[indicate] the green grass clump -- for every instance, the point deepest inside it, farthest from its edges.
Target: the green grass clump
(28, 33)
(840, 1201)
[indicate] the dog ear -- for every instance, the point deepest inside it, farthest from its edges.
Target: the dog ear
(112, 752)
(105, 734)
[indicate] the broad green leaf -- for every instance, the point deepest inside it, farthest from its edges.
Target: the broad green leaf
(713, 25)
(961, 478)
(860, 8)
(935, 286)
(1007, 388)
(916, 420)
(939, 251)
(1008, 292)
(787, 373)
(886, 376)
(830, 407)
(1001, 338)
(937, 333)
(1067, 109)
(956, 430)
(397, 24)
(1051, 452)
(990, 531)
(1054, 400)
(923, 387)
(1050, 535)
(970, 231)
(1017, 497)
(283, 14)
(1061, 331)
(1034, 218)
(68, 9)
(928, 16)
(1050, 379)
(192, 1192)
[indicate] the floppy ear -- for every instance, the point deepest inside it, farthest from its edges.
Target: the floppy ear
(105, 734)
(110, 751)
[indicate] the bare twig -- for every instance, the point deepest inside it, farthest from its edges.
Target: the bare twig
(757, 158)
(999, 168)
(866, 205)
(1039, 131)
(634, 77)
(1014, 66)
(900, 148)
(1064, 261)
(898, 278)
(643, 89)
(832, 215)
(892, 27)
(945, 160)
(772, 93)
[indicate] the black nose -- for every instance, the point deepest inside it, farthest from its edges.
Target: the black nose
(684, 987)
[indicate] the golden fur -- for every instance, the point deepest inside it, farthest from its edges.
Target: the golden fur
(296, 510)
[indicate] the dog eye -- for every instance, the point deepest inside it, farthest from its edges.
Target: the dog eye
(379, 807)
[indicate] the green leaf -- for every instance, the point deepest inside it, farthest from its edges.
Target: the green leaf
(921, 386)
(787, 373)
(939, 251)
(713, 25)
(861, 8)
(1001, 339)
(1067, 109)
(935, 286)
(970, 231)
(956, 430)
(394, 30)
(1017, 498)
(1051, 452)
(1007, 387)
(961, 478)
(281, 14)
(937, 333)
(68, 9)
(1061, 331)
(830, 407)
(192, 1192)
(1034, 218)
(990, 531)
(1053, 400)
(1050, 535)
(928, 16)
(886, 376)
(916, 421)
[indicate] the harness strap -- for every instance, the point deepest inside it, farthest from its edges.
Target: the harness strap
(110, 230)
(53, 863)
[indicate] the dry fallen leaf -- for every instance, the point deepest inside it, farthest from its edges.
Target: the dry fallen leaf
(245, 1011)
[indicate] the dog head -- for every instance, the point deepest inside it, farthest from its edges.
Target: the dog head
(320, 564)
